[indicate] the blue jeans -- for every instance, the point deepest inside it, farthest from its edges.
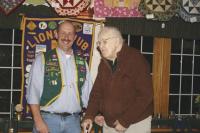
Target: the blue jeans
(61, 124)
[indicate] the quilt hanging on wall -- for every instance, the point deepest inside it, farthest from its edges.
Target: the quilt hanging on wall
(7, 6)
(39, 36)
(162, 10)
(190, 10)
(69, 7)
(116, 8)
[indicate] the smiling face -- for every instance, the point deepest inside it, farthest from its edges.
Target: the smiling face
(109, 42)
(66, 36)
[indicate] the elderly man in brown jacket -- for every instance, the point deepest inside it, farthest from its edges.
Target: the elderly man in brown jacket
(122, 96)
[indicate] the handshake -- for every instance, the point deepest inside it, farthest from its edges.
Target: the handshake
(87, 123)
(99, 120)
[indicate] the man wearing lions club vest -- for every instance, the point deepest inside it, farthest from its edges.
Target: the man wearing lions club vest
(59, 86)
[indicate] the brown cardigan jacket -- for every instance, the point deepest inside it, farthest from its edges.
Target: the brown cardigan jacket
(125, 95)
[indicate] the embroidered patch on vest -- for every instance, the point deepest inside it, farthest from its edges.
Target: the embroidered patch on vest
(52, 78)
(190, 10)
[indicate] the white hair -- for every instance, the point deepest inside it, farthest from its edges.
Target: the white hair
(113, 31)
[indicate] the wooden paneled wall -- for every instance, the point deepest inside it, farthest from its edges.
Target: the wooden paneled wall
(161, 75)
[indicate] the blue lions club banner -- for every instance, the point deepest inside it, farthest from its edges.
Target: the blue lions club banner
(39, 36)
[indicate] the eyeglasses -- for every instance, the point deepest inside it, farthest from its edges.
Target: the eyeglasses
(104, 41)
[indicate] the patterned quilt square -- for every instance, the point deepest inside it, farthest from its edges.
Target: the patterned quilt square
(7, 6)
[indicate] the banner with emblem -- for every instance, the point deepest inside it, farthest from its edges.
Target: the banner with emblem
(39, 36)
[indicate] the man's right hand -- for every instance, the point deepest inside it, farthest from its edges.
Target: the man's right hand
(87, 125)
(41, 127)
(99, 120)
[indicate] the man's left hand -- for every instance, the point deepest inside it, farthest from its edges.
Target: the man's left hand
(118, 127)
(87, 125)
